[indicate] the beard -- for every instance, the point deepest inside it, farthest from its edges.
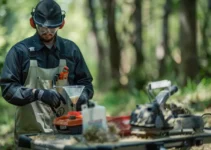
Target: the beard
(47, 37)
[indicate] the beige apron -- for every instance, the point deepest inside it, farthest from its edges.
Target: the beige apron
(37, 117)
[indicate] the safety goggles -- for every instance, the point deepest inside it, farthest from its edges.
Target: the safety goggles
(43, 30)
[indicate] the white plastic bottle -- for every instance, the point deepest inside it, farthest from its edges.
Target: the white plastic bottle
(94, 116)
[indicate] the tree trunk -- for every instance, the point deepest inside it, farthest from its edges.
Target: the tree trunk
(164, 47)
(205, 39)
(102, 70)
(190, 64)
(138, 33)
(138, 77)
(114, 43)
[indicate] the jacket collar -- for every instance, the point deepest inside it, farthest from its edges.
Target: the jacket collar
(39, 45)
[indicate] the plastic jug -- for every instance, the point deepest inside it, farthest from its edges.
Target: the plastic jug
(94, 116)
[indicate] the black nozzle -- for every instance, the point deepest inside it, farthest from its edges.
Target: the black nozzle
(173, 89)
(90, 104)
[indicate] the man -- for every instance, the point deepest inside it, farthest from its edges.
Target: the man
(32, 64)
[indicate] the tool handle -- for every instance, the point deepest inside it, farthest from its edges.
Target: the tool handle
(163, 96)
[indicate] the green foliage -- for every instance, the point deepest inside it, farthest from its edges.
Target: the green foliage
(121, 102)
(196, 97)
(7, 112)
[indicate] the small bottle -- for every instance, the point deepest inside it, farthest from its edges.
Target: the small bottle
(64, 74)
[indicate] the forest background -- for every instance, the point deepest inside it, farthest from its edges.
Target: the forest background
(126, 44)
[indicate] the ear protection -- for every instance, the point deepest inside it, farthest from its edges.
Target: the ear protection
(31, 21)
(62, 25)
(33, 25)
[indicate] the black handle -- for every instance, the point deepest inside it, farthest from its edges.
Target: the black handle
(55, 78)
(90, 104)
(162, 97)
(173, 89)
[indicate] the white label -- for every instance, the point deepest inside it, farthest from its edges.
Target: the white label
(63, 127)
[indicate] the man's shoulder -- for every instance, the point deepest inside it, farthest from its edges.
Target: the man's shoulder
(66, 41)
(24, 41)
(22, 45)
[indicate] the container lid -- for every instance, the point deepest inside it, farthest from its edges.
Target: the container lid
(67, 120)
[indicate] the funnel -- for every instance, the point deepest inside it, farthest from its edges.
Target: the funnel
(74, 92)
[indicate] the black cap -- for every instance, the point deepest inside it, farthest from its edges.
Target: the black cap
(48, 14)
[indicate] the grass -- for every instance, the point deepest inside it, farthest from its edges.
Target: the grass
(7, 112)
(196, 97)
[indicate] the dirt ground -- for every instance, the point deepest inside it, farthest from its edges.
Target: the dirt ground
(203, 147)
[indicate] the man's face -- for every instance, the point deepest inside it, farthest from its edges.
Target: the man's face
(47, 34)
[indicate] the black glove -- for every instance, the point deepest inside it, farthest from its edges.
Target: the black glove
(50, 97)
(83, 99)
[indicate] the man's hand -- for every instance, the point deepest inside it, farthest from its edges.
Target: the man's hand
(83, 99)
(50, 97)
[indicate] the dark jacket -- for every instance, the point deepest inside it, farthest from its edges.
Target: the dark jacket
(16, 67)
